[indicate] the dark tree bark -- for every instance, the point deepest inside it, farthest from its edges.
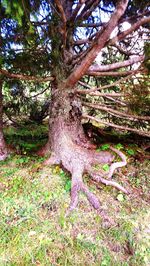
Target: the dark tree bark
(3, 148)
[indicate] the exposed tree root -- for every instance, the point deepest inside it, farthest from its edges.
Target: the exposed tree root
(118, 164)
(3, 153)
(80, 186)
(3, 157)
(98, 178)
(78, 160)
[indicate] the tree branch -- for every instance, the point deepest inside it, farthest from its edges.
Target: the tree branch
(123, 103)
(139, 132)
(123, 34)
(129, 62)
(88, 9)
(76, 10)
(25, 77)
(64, 20)
(122, 50)
(99, 107)
(103, 87)
(115, 73)
(92, 25)
(103, 37)
(100, 94)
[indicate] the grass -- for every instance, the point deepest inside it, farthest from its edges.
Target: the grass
(35, 230)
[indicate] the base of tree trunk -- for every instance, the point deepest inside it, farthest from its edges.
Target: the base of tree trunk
(3, 147)
(79, 160)
(3, 153)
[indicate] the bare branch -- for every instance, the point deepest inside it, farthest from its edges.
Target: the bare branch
(131, 61)
(36, 95)
(88, 9)
(103, 37)
(92, 25)
(116, 74)
(64, 20)
(25, 77)
(123, 103)
(123, 34)
(122, 50)
(103, 87)
(99, 107)
(100, 94)
(76, 10)
(139, 132)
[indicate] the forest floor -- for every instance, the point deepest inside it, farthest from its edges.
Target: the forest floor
(34, 228)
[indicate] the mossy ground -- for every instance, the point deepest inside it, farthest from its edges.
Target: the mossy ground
(34, 228)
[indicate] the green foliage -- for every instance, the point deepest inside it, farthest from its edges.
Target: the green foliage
(130, 151)
(104, 147)
(119, 146)
(68, 185)
(27, 138)
(14, 9)
(120, 197)
(105, 167)
(147, 55)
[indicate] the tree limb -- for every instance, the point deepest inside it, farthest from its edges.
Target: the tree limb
(115, 73)
(103, 37)
(99, 107)
(76, 10)
(123, 34)
(25, 77)
(95, 89)
(89, 7)
(131, 61)
(139, 132)
(100, 94)
(64, 20)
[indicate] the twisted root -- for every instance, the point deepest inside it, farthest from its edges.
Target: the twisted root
(79, 161)
(114, 166)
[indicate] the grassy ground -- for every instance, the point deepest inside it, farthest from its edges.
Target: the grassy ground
(34, 229)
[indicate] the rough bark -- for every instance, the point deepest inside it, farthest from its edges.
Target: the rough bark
(3, 148)
(71, 148)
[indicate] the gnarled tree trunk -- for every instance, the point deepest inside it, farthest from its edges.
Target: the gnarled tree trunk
(71, 148)
(3, 148)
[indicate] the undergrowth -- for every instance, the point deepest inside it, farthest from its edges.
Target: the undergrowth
(35, 230)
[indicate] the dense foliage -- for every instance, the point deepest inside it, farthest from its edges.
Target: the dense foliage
(43, 38)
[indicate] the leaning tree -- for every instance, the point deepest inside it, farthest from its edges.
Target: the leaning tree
(58, 41)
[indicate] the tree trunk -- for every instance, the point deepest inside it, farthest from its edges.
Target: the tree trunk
(71, 148)
(3, 148)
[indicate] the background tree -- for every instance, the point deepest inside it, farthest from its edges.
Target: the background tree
(60, 40)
